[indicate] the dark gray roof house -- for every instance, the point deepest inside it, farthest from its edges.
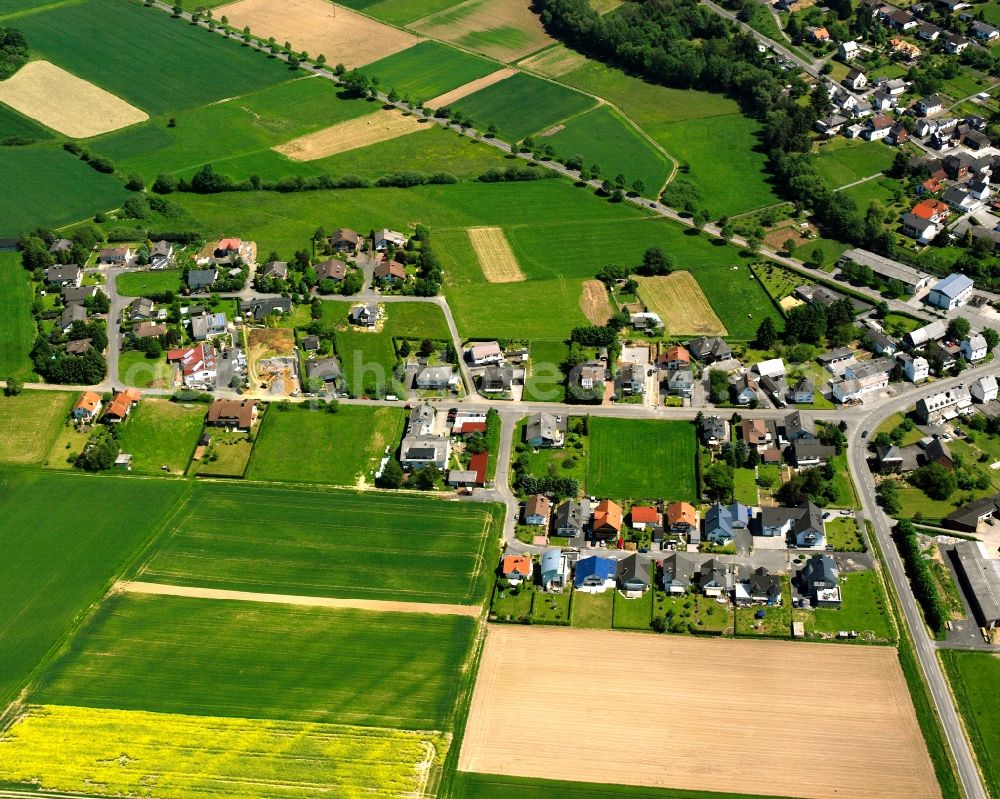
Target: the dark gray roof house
(200, 279)
(275, 269)
(572, 518)
(709, 350)
(260, 307)
(633, 574)
(325, 369)
(968, 517)
(545, 430)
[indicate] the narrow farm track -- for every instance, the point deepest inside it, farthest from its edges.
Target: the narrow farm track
(376, 605)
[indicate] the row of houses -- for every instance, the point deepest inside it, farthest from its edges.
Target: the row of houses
(88, 406)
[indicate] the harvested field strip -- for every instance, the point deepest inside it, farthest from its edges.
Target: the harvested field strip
(344, 136)
(495, 255)
(162, 756)
(66, 103)
(319, 28)
(470, 88)
(681, 304)
(594, 302)
(504, 29)
(554, 61)
(378, 605)
(872, 743)
(256, 660)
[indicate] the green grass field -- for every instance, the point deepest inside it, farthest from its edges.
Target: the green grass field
(28, 199)
(334, 448)
(592, 611)
(633, 614)
(71, 749)
(252, 660)
(975, 681)
(191, 67)
(135, 369)
(488, 786)
(745, 486)
(705, 132)
(140, 284)
(863, 608)
(877, 190)
(328, 543)
(546, 380)
(399, 12)
(161, 433)
(428, 69)
(65, 537)
(31, 421)
(254, 123)
(844, 161)
(602, 136)
(641, 459)
(14, 124)
(522, 105)
(228, 455)
(17, 325)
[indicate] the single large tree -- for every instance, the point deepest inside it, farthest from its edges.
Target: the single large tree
(766, 334)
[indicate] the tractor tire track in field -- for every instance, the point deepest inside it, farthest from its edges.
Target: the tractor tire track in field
(377, 605)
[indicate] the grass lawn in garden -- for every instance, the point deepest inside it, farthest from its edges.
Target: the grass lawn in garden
(604, 137)
(846, 496)
(71, 748)
(779, 282)
(593, 610)
(633, 458)
(227, 455)
(546, 380)
(777, 620)
(141, 284)
(67, 446)
(513, 602)
(66, 537)
(17, 325)
(550, 608)
(192, 66)
(324, 542)
(31, 422)
(428, 69)
(489, 786)
(975, 681)
(161, 433)
(903, 323)
(400, 12)
(547, 462)
(877, 190)
(28, 201)
(842, 533)
(268, 661)
(745, 486)
(135, 369)
(692, 613)
(633, 614)
(522, 105)
(841, 161)
(335, 448)
(862, 607)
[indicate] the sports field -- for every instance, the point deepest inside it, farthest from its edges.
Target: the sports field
(872, 744)
(17, 325)
(31, 421)
(328, 543)
(27, 199)
(522, 105)
(64, 102)
(681, 304)
(399, 12)
(641, 458)
(251, 660)
(494, 255)
(333, 448)
(254, 123)
(66, 537)
(319, 28)
(131, 753)
(975, 681)
(161, 433)
(191, 67)
(428, 69)
(503, 29)
(353, 134)
(604, 138)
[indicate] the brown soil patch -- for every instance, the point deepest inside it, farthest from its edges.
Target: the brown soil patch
(350, 135)
(555, 62)
(385, 606)
(681, 304)
(552, 131)
(790, 302)
(319, 28)
(495, 256)
(66, 103)
(504, 29)
(775, 239)
(594, 302)
(702, 714)
(471, 87)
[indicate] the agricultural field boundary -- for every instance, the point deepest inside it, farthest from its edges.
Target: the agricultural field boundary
(376, 605)
(470, 88)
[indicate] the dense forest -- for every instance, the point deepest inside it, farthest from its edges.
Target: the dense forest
(13, 52)
(682, 44)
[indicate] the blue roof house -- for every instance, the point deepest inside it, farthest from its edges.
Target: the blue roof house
(595, 575)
